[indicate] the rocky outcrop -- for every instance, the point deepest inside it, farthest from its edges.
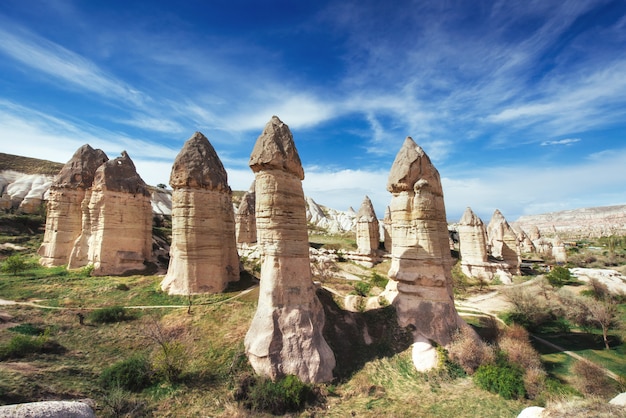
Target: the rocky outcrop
(245, 220)
(285, 336)
(64, 213)
(24, 192)
(578, 223)
(116, 233)
(502, 241)
(526, 245)
(558, 250)
(332, 220)
(48, 409)
(475, 261)
(367, 231)
(203, 253)
(420, 285)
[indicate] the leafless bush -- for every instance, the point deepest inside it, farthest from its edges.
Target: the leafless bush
(599, 289)
(534, 382)
(529, 309)
(323, 268)
(590, 379)
(469, 351)
(515, 343)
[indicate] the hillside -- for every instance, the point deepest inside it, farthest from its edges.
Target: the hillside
(584, 222)
(28, 165)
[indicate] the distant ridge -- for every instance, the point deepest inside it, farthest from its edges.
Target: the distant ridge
(28, 165)
(591, 222)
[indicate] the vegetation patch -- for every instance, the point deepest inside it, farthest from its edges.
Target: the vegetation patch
(133, 374)
(111, 314)
(289, 394)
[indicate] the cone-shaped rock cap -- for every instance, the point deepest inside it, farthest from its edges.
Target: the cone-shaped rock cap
(470, 218)
(366, 211)
(120, 175)
(246, 207)
(412, 166)
(497, 217)
(79, 171)
(198, 166)
(275, 150)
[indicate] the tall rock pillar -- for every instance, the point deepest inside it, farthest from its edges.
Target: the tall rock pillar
(473, 246)
(285, 336)
(421, 280)
(367, 229)
(503, 242)
(64, 213)
(203, 254)
(245, 220)
(116, 232)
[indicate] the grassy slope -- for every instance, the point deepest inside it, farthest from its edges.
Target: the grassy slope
(28, 165)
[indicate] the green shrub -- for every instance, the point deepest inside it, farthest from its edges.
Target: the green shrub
(559, 277)
(110, 315)
(133, 374)
(378, 280)
(362, 288)
(503, 378)
(27, 329)
(22, 345)
(14, 264)
(261, 394)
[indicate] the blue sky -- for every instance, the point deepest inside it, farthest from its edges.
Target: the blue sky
(520, 105)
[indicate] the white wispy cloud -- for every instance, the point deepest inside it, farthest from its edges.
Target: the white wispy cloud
(566, 141)
(69, 67)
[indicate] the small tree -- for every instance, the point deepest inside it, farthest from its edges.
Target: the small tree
(604, 314)
(14, 264)
(559, 277)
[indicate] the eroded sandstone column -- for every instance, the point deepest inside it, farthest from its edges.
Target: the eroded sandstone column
(558, 250)
(421, 282)
(116, 232)
(64, 214)
(245, 220)
(473, 246)
(285, 336)
(203, 254)
(367, 229)
(503, 242)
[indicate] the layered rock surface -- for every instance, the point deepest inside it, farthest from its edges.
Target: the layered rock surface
(420, 285)
(367, 229)
(116, 234)
(203, 253)
(64, 213)
(503, 242)
(387, 226)
(285, 336)
(473, 246)
(245, 220)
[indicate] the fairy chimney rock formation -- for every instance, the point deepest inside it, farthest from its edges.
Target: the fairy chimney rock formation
(420, 285)
(116, 232)
(245, 220)
(473, 246)
(387, 229)
(503, 242)
(558, 251)
(203, 254)
(64, 213)
(285, 336)
(367, 229)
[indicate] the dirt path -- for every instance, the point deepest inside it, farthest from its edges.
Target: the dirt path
(494, 302)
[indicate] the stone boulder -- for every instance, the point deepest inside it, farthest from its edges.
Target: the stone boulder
(116, 233)
(64, 213)
(420, 285)
(367, 230)
(285, 336)
(48, 409)
(203, 253)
